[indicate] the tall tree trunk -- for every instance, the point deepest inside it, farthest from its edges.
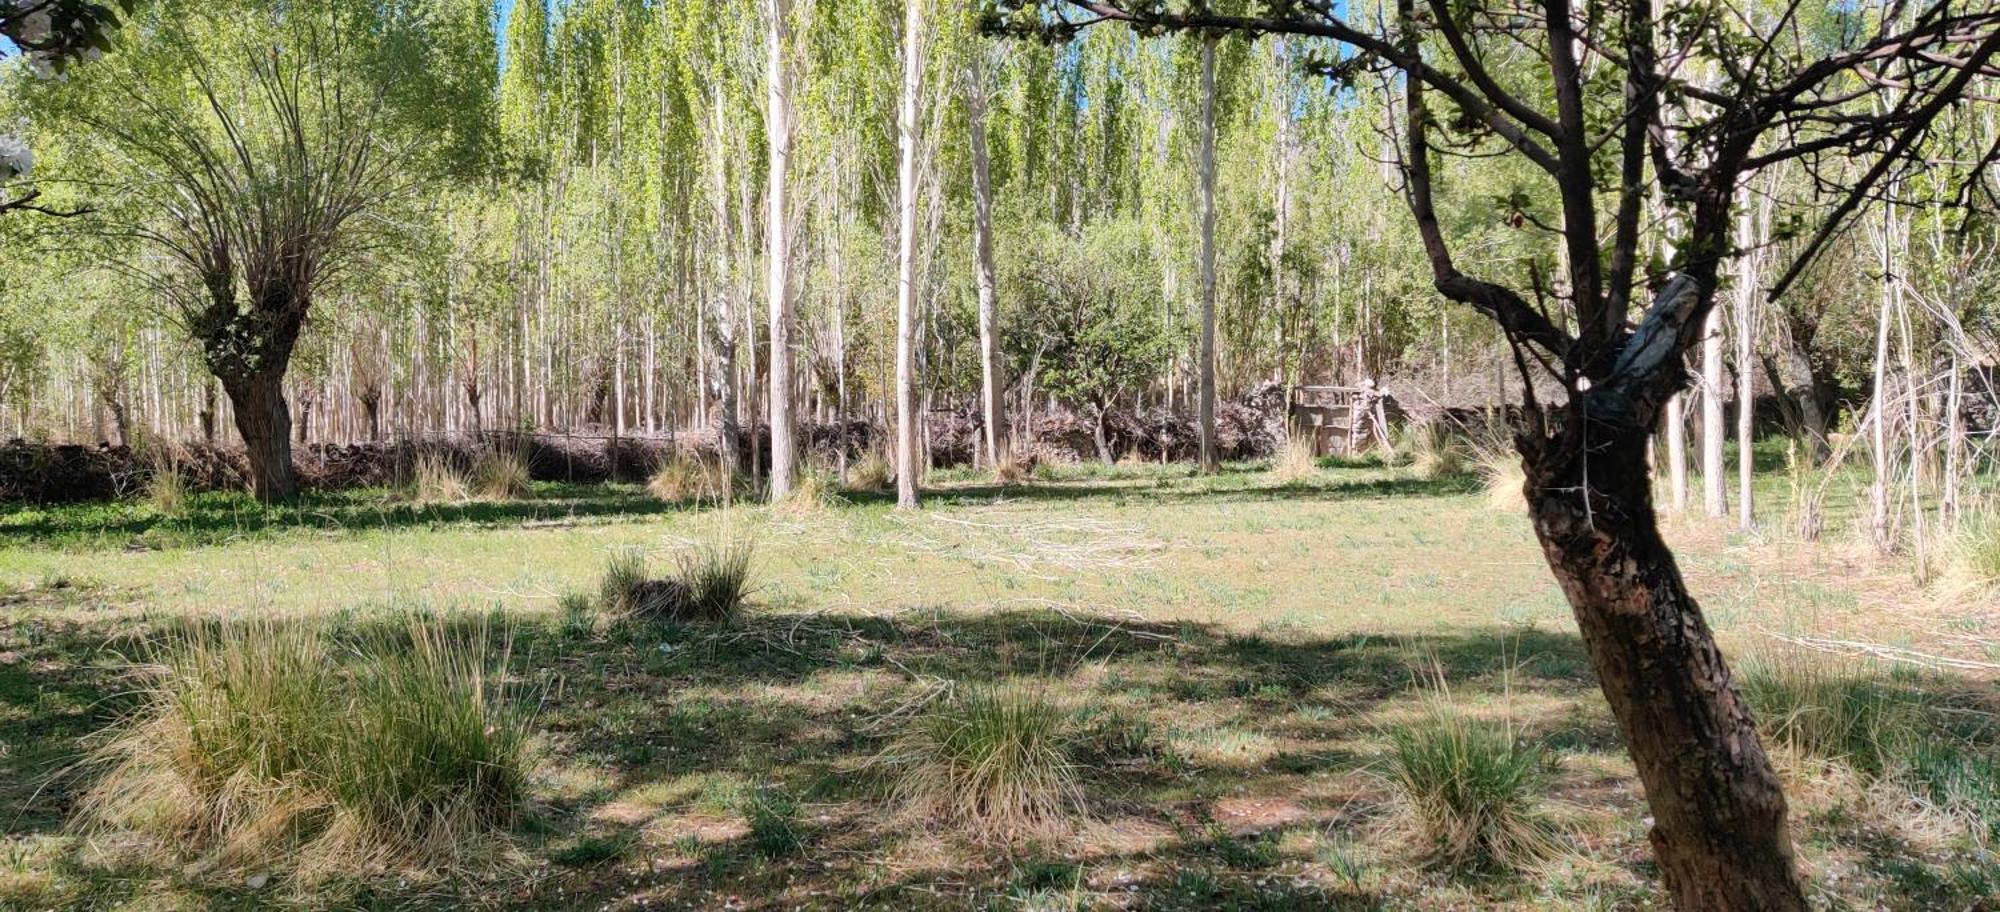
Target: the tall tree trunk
(1746, 352)
(906, 256)
(778, 247)
(1205, 165)
(1677, 451)
(1719, 827)
(1714, 477)
(1100, 434)
(265, 422)
(995, 413)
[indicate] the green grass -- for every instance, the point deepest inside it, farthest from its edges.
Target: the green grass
(1237, 654)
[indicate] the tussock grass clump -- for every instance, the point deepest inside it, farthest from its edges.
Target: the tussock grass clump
(1972, 565)
(718, 577)
(502, 475)
(166, 490)
(1295, 461)
(276, 747)
(1434, 452)
(996, 760)
(618, 587)
(812, 491)
(713, 583)
(1473, 790)
(434, 479)
(1502, 479)
(1010, 470)
(681, 479)
(870, 475)
(1832, 710)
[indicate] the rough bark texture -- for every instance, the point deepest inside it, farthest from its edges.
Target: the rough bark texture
(1719, 827)
(265, 422)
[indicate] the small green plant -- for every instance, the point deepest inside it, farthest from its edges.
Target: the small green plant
(279, 747)
(502, 475)
(995, 759)
(1472, 788)
(618, 589)
(773, 817)
(1973, 555)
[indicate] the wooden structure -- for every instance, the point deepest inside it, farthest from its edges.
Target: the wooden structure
(1340, 420)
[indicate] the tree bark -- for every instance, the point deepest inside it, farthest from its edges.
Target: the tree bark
(1719, 829)
(906, 256)
(265, 422)
(1677, 451)
(1205, 165)
(778, 248)
(1714, 477)
(995, 411)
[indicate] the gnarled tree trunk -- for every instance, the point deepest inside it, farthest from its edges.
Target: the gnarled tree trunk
(265, 423)
(1719, 827)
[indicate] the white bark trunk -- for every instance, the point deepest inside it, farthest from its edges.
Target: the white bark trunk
(778, 248)
(1206, 207)
(906, 256)
(1714, 477)
(982, 242)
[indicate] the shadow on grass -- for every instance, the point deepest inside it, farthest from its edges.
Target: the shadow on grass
(216, 518)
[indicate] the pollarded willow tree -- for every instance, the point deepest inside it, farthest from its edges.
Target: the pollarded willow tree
(254, 144)
(1686, 102)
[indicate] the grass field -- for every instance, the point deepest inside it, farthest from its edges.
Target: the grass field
(1236, 663)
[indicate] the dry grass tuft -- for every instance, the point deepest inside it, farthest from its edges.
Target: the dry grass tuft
(502, 475)
(993, 759)
(1972, 555)
(1435, 452)
(435, 480)
(275, 748)
(681, 479)
(870, 475)
(1295, 462)
(166, 489)
(1502, 478)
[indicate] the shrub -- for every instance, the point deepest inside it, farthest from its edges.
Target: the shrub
(435, 480)
(870, 475)
(1295, 461)
(502, 475)
(276, 747)
(680, 479)
(1472, 789)
(716, 577)
(995, 759)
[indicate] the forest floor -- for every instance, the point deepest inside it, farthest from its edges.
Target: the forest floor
(1236, 649)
